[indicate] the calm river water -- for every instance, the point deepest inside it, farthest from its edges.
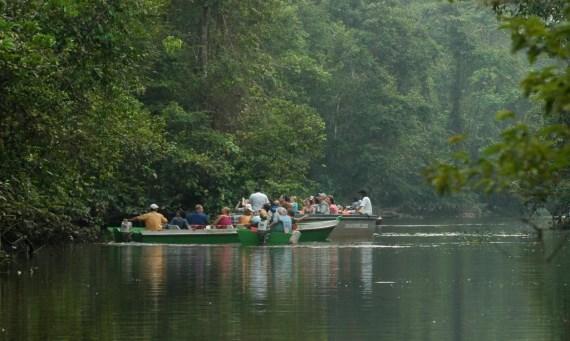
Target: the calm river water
(441, 282)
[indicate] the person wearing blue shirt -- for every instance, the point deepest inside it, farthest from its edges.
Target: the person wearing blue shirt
(182, 223)
(197, 218)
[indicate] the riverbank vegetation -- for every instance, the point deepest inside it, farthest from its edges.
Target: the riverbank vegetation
(108, 106)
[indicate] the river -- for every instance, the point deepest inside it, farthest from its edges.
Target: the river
(458, 281)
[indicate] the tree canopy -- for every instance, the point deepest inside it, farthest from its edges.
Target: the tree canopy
(108, 106)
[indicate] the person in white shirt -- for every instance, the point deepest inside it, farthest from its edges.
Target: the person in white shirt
(365, 204)
(257, 200)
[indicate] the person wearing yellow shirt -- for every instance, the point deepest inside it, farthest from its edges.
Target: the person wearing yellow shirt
(153, 220)
(245, 219)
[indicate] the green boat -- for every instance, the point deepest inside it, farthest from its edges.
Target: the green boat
(309, 232)
(198, 236)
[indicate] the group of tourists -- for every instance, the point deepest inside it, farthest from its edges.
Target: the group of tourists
(155, 221)
(325, 204)
(257, 212)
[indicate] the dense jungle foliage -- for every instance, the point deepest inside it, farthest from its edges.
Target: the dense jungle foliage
(529, 160)
(107, 106)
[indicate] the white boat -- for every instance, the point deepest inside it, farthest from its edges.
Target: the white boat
(354, 227)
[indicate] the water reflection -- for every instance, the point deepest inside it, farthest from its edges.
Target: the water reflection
(366, 270)
(408, 284)
(255, 269)
(153, 268)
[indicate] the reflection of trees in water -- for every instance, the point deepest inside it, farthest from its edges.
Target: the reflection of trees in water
(348, 306)
(549, 281)
(228, 292)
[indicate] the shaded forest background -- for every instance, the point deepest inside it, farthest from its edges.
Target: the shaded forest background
(107, 106)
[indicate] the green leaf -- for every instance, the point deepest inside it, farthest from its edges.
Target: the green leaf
(455, 139)
(504, 115)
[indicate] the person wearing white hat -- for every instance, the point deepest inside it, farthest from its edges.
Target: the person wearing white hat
(153, 220)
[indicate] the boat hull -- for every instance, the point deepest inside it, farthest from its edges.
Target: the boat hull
(351, 227)
(205, 236)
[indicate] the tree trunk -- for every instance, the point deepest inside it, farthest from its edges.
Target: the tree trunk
(204, 38)
(456, 123)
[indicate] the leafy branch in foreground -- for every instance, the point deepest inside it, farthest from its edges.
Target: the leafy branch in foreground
(529, 162)
(541, 8)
